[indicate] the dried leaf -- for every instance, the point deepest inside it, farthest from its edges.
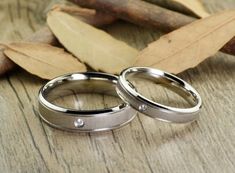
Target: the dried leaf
(45, 35)
(93, 46)
(185, 6)
(43, 60)
(194, 6)
(188, 46)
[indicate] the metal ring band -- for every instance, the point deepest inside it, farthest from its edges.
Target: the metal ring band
(83, 120)
(155, 110)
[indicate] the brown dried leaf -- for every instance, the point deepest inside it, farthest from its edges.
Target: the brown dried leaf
(45, 35)
(188, 46)
(93, 46)
(43, 60)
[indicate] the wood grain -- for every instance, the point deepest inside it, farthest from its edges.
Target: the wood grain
(145, 145)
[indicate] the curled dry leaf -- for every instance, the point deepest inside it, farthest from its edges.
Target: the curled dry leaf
(188, 46)
(140, 12)
(90, 16)
(93, 46)
(195, 6)
(186, 6)
(43, 60)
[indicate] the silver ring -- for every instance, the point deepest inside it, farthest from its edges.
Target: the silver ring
(127, 92)
(83, 120)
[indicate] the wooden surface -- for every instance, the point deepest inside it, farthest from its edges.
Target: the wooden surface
(145, 145)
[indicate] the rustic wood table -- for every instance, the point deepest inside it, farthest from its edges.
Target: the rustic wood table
(145, 145)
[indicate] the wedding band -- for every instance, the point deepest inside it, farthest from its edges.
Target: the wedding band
(128, 92)
(83, 120)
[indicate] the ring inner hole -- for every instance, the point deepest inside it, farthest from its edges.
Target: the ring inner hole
(161, 90)
(84, 95)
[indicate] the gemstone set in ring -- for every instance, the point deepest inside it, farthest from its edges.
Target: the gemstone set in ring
(83, 120)
(153, 109)
(114, 117)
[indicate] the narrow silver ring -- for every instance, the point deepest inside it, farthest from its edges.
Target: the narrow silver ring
(128, 92)
(83, 120)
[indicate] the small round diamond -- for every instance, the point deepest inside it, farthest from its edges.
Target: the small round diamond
(142, 108)
(79, 123)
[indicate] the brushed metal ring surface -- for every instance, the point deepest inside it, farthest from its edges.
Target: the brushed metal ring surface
(83, 120)
(128, 92)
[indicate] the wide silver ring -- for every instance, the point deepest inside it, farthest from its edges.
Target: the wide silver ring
(83, 120)
(128, 92)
